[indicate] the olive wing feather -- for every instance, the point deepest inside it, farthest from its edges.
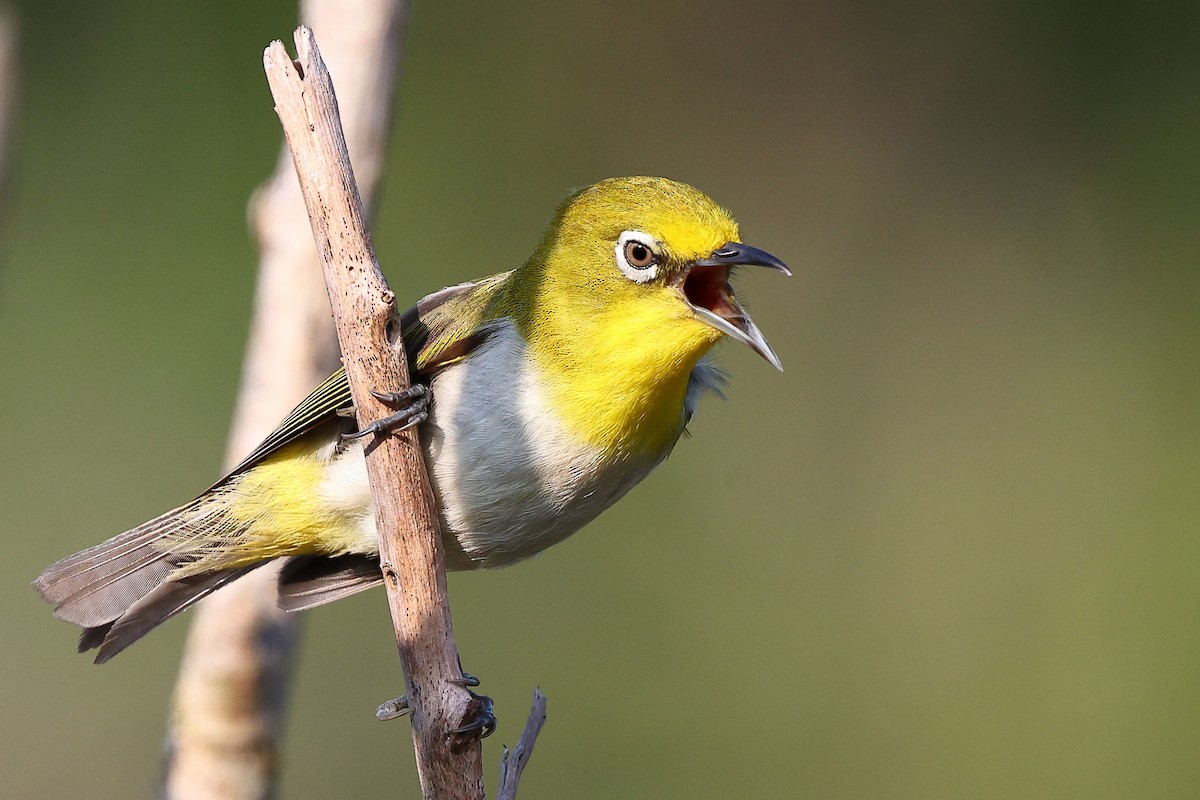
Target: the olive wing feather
(440, 330)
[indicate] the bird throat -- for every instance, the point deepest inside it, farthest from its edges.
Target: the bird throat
(615, 388)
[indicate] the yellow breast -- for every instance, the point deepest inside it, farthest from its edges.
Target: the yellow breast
(617, 372)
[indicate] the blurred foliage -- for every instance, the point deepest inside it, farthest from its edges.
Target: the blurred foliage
(951, 552)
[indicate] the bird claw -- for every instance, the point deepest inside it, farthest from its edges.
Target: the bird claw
(482, 719)
(393, 709)
(411, 415)
(394, 399)
(467, 679)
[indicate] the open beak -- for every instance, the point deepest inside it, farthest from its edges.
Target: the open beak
(705, 287)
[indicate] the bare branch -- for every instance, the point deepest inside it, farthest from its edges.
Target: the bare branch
(512, 764)
(229, 699)
(409, 539)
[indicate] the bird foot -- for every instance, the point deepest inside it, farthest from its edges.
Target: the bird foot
(467, 679)
(482, 719)
(481, 714)
(393, 709)
(414, 402)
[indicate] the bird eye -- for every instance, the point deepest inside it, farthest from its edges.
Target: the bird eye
(638, 255)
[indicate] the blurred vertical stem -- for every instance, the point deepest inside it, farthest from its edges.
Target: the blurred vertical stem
(9, 91)
(228, 710)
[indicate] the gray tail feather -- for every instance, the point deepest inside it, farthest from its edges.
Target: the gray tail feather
(159, 605)
(96, 585)
(91, 638)
(309, 581)
(120, 589)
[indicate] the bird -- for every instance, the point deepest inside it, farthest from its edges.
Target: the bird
(542, 395)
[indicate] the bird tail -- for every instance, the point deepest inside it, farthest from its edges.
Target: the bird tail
(309, 581)
(121, 589)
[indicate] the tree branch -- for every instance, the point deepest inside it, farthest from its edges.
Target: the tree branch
(364, 312)
(512, 764)
(228, 712)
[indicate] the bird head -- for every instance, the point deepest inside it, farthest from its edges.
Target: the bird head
(644, 263)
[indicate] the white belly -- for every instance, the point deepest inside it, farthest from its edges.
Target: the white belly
(510, 478)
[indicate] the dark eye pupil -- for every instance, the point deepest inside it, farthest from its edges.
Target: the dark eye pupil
(639, 255)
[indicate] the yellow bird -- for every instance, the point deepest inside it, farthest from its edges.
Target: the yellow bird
(544, 394)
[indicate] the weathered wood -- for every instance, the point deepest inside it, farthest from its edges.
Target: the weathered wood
(411, 553)
(512, 764)
(227, 717)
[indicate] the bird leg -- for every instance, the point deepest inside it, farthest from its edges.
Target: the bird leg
(467, 679)
(482, 714)
(482, 719)
(414, 403)
(392, 709)
(398, 707)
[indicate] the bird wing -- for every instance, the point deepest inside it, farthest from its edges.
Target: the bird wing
(440, 330)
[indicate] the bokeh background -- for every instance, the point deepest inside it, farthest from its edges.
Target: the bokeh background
(951, 552)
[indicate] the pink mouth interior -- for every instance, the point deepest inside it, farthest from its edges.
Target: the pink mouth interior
(708, 288)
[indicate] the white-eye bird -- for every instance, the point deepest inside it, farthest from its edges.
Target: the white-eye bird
(544, 394)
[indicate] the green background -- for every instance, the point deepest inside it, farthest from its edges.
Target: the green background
(951, 552)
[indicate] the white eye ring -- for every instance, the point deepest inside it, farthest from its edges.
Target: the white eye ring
(637, 274)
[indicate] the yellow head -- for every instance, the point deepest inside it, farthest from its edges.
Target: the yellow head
(632, 279)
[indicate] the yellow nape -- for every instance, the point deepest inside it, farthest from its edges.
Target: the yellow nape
(615, 354)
